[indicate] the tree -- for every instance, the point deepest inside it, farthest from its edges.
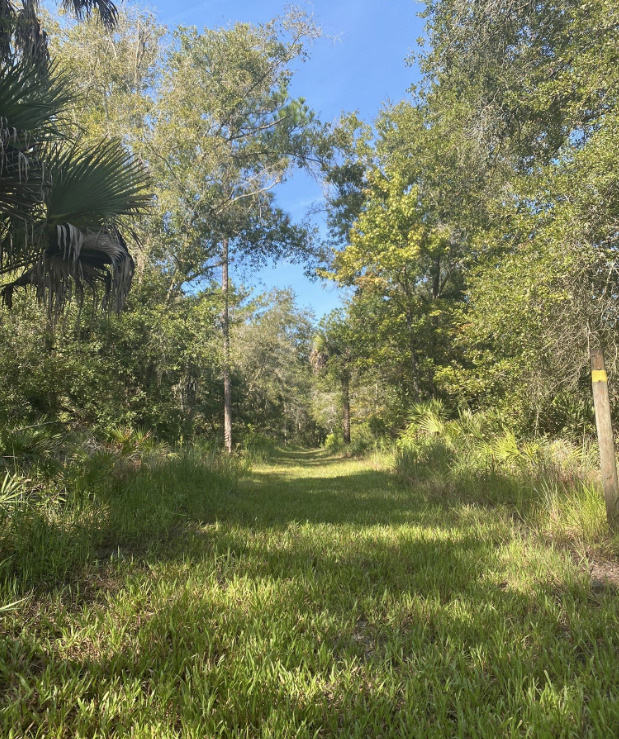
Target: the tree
(271, 346)
(536, 85)
(230, 133)
(23, 37)
(332, 356)
(115, 99)
(403, 247)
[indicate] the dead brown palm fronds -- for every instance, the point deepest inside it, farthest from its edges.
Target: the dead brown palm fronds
(102, 261)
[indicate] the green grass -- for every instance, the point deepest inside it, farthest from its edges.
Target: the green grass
(317, 597)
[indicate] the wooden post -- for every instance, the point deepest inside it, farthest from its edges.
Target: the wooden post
(606, 439)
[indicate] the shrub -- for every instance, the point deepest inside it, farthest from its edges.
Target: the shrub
(334, 442)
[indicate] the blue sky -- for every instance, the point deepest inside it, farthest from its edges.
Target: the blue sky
(357, 66)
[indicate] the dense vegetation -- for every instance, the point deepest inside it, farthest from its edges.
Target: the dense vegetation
(156, 581)
(479, 219)
(475, 221)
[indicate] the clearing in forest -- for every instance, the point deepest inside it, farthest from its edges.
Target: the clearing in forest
(321, 597)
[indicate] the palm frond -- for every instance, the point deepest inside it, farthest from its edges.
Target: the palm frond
(30, 107)
(11, 489)
(107, 10)
(62, 207)
(22, 35)
(30, 102)
(80, 245)
(95, 188)
(429, 417)
(78, 263)
(505, 447)
(77, 245)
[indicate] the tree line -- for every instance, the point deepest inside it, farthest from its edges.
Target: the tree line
(477, 220)
(474, 223)
(206, 126)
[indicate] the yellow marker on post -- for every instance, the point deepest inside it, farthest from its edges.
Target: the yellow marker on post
(606, 440)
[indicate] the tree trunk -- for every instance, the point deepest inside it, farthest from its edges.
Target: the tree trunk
(225, 328)
(436, 281)
(414, 366)
(346, 408)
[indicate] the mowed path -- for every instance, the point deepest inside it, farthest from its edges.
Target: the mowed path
(392, 615)
(323, 598)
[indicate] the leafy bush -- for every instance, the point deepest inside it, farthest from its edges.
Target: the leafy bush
(130, 441)
(37, 447)
(365, 438)
(334, 442)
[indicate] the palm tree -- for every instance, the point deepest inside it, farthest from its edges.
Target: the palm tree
(21, 33)
(62, 207)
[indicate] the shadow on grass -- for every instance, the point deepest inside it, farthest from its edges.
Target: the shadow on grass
(344, 582)
(186, 514)
(153, 516)
(295, 457)
(373, 621)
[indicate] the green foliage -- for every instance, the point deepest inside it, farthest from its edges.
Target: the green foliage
(129, 441)
(365, 440)
(538, 97)
(230, 132)
(11, 492)
(477, 222)
(31, 448)
(154, 367)
(477, 458)
(130, 494)
(63, 202)
(258, 447)
(270, 354)
(476, 228)
(116, 97)
(402, 256)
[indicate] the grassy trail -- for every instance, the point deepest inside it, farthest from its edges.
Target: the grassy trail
(320, 597)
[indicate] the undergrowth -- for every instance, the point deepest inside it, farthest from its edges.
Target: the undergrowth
(364, 441)
(551, 484)
(67, 500)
